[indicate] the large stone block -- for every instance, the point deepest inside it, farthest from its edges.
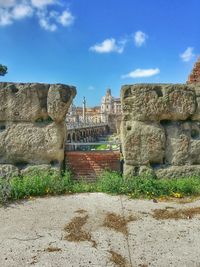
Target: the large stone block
(32, 125)
(143, 143)
(178, 171)
(196, 115)
(130, 170)
(29, 102)
(161, 129)
(156, 102)
(23, 102)
(59, 100)
(183, 143)
(28, 143)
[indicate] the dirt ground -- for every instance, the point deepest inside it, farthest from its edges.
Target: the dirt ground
(99, 230)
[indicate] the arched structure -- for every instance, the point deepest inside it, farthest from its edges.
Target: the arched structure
(87, 133)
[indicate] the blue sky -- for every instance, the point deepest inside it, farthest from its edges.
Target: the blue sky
(95, 44)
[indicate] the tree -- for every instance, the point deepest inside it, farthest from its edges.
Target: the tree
(3, 70)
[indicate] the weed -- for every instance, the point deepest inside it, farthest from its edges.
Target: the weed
(176, 214)
(117, 222)
(75, 232)
(5, 190)
(39, 183)
(118, 259)
(52, 249)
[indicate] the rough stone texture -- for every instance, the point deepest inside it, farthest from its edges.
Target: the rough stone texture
(32, 127)
(23, 102)
(178, 171)
(161, 129)
(156, 102)
(114, 122)
(183, 143)
(130, 170)
(196, 115)
(58, 101)
(143, 143)
(195, 74)
(32, 169)
(32, 144)
(7, 170)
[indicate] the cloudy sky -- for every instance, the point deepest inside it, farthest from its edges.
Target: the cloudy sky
(95, 44)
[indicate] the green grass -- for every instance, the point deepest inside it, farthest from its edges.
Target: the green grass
(50, 183)
(99, 147)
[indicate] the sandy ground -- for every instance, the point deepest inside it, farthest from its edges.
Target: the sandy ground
(37, 233)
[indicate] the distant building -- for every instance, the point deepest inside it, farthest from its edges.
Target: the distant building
(195, 74)
(109, 112)
(83, 115)
(109, 105)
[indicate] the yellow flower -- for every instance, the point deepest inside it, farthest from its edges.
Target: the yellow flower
(177, 195)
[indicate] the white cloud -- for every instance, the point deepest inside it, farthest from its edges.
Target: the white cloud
(188, 54)
(42, 3)
(45, 24)
(140, 38)
(140, 73)
(108, 46)
(5, 18)
(48, 18)
(21, 11)
(66, 18)
(14, 11)
(7, 3)
(112, 45)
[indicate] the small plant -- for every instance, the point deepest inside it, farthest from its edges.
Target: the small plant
(5, 190)
(3, 70)
(40, 183)
(42, 120)
(110, 182)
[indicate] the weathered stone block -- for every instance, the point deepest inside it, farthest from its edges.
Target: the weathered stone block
(29, 102)
(143, 143)
(196, 115)
(178, 171)
(145, 170)
(28, 143)
(32, 124)
(183, 143)
(161, 129)
(7, 170)
(156, 102)
(34, 169)
(23, 102)
(59, 100)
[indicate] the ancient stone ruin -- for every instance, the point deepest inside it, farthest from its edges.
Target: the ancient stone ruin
(161, 129)
(32, 125)
(195, 74)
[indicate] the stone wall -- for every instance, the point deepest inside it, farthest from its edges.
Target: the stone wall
(161, 129)
(32, 125)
